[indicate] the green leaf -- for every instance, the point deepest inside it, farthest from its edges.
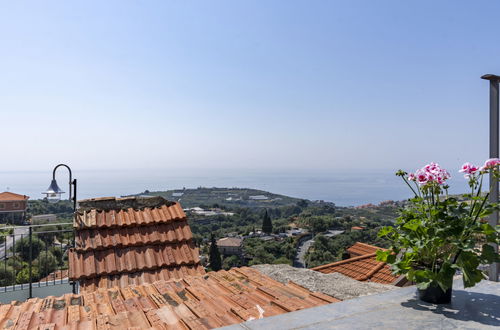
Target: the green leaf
(488, 254)
(423, 285)
(468, 263)
(488, 229)
(385, 231)
(412, 226)
(382, 255)
(445, 276)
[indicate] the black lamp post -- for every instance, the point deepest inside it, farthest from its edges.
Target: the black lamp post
(54, 193)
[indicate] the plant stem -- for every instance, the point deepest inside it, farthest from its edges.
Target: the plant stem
(406, 181)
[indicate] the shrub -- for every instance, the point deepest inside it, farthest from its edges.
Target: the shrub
(23, 247)
(46, 263)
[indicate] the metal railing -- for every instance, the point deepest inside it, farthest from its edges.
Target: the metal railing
(34, 256)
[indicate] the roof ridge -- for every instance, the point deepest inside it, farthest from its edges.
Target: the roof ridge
(14, 195)
(81, 210)
(369, 245)
(96, 218)
(121, 203)
(372, 272)
(341, 262)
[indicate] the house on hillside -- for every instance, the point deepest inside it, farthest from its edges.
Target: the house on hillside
(13, 208)
(229, 246)
(258, 197)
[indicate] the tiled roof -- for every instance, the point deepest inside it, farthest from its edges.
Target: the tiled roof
(8, 196)
(198, 302)
(148, 276)
(125, 240)
(230, 241)
(360, 249)
(106, 238)
(131, 259)
(361, 268)
(129, 217)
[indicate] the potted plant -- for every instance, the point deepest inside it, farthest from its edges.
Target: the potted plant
(437, 234)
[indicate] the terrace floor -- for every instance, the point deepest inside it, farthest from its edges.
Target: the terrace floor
(473, 308)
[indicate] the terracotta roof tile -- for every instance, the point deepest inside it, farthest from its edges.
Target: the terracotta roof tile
(131, 259)
(197, 302)
(360, 249)
(362, 268)
(95, 218)
(118, 245)
(230, 241)
(9, 196)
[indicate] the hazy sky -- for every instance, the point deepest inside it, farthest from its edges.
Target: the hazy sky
(245, 84)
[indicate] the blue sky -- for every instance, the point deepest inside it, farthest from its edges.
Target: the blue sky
(245, 84)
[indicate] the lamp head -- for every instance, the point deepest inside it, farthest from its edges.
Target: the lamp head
(53, 193)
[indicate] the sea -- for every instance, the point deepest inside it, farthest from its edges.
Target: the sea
(342, 187)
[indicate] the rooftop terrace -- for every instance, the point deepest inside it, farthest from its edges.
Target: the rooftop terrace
(473, 308)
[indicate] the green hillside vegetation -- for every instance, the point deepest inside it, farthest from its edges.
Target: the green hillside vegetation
(223, 197)
(315, 217)
(284, 212)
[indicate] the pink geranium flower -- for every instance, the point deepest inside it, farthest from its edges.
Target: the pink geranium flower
(468, 169)
(422, 176)
(431, 173)
(490, 163)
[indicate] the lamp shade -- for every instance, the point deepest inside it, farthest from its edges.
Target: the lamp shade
(53, 193)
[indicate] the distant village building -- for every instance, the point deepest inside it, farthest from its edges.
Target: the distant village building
(295, 231)
(13, 208)
(258, 198)
(230, 245)
(199, 211)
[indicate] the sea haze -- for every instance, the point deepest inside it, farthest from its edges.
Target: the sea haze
(344, 188)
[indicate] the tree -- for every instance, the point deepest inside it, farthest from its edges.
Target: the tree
(214, 255)
(7, 276)
(267, 225)
(23, 248)
(302, 203)
(232, 261)
(24, 275)
(317, 224)
(46, 263)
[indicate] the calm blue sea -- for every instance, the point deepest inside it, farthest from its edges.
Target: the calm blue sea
(344, 188)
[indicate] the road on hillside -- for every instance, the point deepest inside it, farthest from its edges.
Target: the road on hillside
(303, 247)
(9, 241)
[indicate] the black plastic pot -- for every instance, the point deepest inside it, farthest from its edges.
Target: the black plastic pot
(435, 295)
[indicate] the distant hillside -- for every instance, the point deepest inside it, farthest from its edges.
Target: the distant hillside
(231, 197)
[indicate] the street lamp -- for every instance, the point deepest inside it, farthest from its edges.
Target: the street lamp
(54, 193)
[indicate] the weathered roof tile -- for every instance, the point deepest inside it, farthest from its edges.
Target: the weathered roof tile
(363, 267)
(196, 302)
(114, 240)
